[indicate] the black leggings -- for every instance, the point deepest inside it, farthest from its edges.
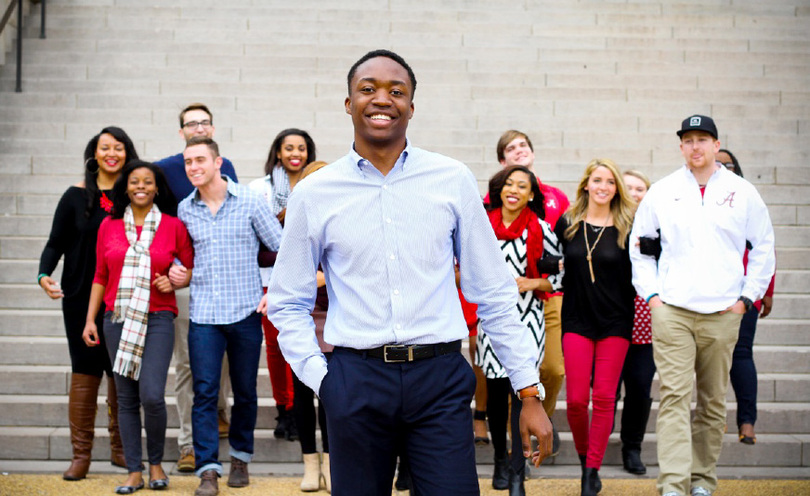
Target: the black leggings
(84, 359)
(304, 413)
(498, 393)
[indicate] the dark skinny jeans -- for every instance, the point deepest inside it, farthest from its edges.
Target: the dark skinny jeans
(148, 391)
(744, 372)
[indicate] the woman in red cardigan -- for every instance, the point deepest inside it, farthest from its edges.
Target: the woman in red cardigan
(136, 247)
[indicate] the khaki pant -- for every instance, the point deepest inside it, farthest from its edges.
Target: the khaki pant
(691, 346)
(183, 383)
(552, 370)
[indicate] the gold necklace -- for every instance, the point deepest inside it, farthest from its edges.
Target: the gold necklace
(588, 246)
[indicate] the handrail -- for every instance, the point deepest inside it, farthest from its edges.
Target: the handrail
(7, 15)
(4, 21)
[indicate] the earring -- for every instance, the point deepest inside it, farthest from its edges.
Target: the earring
(89, 168)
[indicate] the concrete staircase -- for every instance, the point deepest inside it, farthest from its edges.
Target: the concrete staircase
(583, 79)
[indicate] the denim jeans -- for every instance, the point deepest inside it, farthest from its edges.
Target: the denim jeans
(744, 372)
(207, 344)
(148, 392)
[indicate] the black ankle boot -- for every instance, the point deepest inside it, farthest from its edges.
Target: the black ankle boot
(516, 487)
(591, 485)
(500, 476)
(631, 459)
(598, 483)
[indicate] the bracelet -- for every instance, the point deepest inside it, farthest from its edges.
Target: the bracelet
(651, 297)
(39, 277)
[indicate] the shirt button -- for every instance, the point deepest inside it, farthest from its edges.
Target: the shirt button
(385, 186)
(399, 327)
(392, 257)
(396, 291)
(388, 220)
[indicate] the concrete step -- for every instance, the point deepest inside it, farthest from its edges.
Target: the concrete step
(51, 350)
(42, 380)
(45, 443)
(51, 410)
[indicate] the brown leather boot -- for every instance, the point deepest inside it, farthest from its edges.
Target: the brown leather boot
(82, 406)
(116, 447)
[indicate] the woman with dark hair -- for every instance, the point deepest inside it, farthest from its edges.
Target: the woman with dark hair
(516, 214)
(73, 235)
(729, 161)
(136, 247)
(743, 371)
(598, 308)
(291, 150)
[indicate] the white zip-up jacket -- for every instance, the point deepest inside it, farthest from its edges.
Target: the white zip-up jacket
(703, 242)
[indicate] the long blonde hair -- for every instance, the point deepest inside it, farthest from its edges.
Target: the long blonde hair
(622, 207)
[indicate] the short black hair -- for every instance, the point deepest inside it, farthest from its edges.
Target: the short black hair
(164, 200)
(382, 53)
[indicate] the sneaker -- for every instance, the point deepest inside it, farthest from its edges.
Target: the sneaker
(222, 425)
(208, 484)
(239, 473)
(701, 491)
(671, 493)
(186, 461)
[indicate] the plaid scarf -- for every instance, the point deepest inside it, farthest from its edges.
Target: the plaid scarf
(281, 188)
(132, 297)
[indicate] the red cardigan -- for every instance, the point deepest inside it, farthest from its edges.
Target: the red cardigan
(171, 241)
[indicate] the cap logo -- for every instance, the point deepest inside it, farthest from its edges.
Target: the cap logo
(694, 121)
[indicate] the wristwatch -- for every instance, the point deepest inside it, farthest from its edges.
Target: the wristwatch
(530, 391)
(747, 302)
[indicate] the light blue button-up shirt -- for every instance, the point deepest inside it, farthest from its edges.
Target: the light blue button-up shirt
(225, 285)
(387, 246)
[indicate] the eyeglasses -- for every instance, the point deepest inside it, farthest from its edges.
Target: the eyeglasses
(193, 124)
(727, 165)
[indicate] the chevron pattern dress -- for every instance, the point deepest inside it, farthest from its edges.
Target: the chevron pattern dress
(530, 307)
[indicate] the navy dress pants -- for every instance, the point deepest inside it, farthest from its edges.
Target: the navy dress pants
(377, 410)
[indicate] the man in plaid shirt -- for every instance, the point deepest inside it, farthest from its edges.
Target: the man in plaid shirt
(226, 221)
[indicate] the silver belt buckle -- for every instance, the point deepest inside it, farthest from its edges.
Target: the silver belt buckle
(397, 346)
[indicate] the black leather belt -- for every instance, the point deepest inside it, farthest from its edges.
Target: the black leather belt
(400, 353)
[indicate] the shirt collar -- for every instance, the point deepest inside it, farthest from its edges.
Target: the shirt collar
(232, 190)
(359, 163)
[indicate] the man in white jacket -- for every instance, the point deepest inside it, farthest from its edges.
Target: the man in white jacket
(698, 291)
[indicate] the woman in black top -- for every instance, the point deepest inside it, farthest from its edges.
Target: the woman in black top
(73, 234)
(598, 306)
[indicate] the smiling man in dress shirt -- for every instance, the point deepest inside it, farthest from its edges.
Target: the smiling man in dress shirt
(385, 222)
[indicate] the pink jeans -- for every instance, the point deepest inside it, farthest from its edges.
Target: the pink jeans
(605, 358)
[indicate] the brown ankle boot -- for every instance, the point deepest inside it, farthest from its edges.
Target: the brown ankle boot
(82, 406)
(116, 447)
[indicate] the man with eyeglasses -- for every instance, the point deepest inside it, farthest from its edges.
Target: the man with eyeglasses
(195, 120)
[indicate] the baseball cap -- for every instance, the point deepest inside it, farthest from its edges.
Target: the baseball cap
(698, 123)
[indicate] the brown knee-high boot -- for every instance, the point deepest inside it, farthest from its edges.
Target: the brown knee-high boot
(82, 406)
(116, 447)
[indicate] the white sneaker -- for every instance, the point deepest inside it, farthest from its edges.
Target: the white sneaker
(700, 491)
(671, 493)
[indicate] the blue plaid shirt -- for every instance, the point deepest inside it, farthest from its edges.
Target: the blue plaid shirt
(225, 285)
(387, 245)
